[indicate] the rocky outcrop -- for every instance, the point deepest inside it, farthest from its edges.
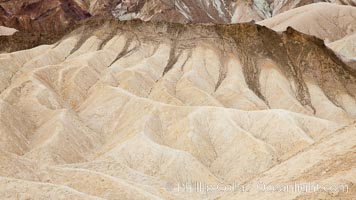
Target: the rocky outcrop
(46, 16)
(214, 11)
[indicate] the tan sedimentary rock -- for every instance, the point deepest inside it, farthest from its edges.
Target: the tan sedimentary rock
(327, 21)
(128, 110)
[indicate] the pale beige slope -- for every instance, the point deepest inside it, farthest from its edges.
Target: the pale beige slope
(154, 185)
(160, 125)
(18, 167)
(63, 129)
(20, 189)
(7, 31)
(16, 130)
(96, 184)
(324, 20)
(319, 164)
(345, 47)
(14, 61)
(280, 6)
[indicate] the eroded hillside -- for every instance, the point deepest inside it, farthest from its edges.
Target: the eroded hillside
(128, 110)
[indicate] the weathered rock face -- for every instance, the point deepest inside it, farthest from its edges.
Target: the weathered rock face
(217, 11)
(129, 110)
(41, 15)
(101, 7)
(299, 56)
(336, 24)
(327, 21)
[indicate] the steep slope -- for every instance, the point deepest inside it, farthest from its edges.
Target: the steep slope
(129, 110)
(330, 22)
(330, 173)
(346, 49)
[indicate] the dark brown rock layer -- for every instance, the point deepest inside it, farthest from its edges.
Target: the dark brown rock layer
(46, 16)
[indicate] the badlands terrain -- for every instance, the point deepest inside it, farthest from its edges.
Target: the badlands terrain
(97, 108)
